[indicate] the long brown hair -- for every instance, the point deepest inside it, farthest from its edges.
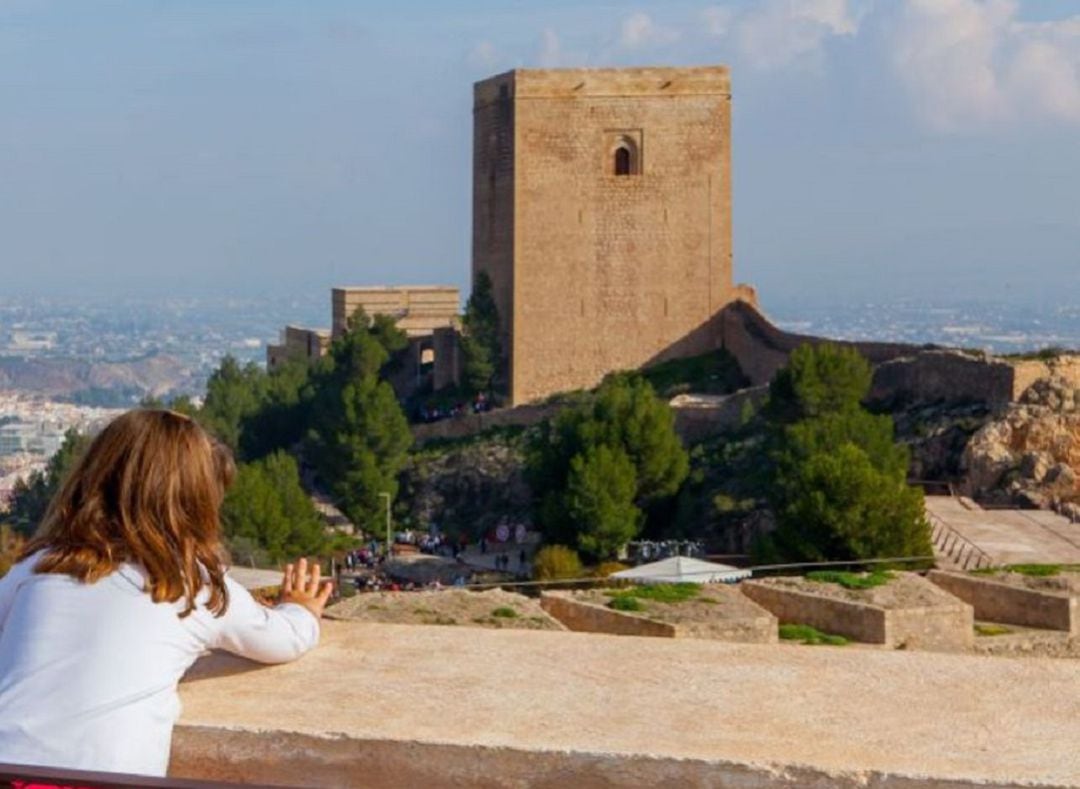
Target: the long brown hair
(148, 490)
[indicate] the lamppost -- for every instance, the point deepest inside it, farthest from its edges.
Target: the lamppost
(386, 495)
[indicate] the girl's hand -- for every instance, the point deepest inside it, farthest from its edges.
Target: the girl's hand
(297, 587)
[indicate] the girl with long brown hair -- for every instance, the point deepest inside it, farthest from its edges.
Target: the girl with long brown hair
(123, 587)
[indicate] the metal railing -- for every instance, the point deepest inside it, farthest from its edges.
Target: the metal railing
(956, 547)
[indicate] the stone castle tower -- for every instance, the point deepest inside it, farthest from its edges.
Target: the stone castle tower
(602, 214)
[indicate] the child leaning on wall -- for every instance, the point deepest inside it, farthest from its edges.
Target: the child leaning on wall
(121, 590)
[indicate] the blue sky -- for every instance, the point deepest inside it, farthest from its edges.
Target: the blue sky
(882, 148)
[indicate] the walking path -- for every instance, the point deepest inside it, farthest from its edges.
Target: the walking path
(1005, 536)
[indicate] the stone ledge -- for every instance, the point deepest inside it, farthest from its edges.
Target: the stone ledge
(444, 706)
(997, 601)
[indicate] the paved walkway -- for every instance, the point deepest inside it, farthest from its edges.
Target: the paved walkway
(1010, 536)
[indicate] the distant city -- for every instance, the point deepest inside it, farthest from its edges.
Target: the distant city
(996, 328)
(113, 354)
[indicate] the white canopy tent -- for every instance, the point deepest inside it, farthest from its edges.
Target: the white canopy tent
(682, 569)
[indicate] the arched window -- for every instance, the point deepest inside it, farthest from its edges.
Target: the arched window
(623, 161)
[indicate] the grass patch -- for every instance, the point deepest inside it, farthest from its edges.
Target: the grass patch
(505, 612)
(851, 580)
(663, 593)
(716, 372)
(632, 599)
(626, 602)
(810, 635)
(1035, 570)
(991, 630)
(1032, 570)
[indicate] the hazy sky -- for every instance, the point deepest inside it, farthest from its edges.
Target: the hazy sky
(887, 148)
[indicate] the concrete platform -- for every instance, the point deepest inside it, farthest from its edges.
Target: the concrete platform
(1010, 536)
(392, 705)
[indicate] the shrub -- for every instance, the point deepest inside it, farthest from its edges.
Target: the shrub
(604, 569)
(810, 635)
(1035, 570)
(666, 593)
(626, 602)
(556, 562)
(505, 612)
(851, 580)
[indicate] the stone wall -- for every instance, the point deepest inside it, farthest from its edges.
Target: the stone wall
(472, 424)
(943, 627)
(698, 416)
(762, 348)
(902, 373)
(944, 376)
(1027, 371)
(585, 617)
(996, 601)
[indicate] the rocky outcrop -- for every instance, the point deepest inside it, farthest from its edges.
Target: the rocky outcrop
(1031, 453)
(470, 487)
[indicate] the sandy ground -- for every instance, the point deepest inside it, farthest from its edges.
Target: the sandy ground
(446, 607)
(713, 603)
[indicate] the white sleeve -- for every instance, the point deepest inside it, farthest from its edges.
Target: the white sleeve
(268, 635)
(9, 585)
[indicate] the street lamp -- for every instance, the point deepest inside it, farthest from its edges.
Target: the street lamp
(388, 543)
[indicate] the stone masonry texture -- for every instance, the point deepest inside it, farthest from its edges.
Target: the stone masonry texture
(594, 271)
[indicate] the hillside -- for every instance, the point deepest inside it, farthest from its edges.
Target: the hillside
(106, 383)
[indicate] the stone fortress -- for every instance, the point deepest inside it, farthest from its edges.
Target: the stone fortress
(602, 206)
(602, 214)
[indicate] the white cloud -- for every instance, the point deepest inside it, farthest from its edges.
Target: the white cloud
(967, 64)
(483, 56)
(717, 20)
(639, 30)
(551, 55)
(780, 32)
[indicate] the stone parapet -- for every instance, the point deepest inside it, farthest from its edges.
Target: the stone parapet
(584, 617)
(384, 706)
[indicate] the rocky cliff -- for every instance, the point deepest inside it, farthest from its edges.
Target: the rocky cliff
(1030, 452)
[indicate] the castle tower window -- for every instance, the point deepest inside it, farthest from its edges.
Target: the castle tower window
(624, 151)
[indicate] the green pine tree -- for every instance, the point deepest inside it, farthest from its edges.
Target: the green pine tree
(838, 483)
(480, 344)
(267, 507)
(31, 497)
(600, 492)
(624, 415)
(360, 437)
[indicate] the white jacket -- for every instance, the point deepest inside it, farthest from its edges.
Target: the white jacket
(88, 672)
